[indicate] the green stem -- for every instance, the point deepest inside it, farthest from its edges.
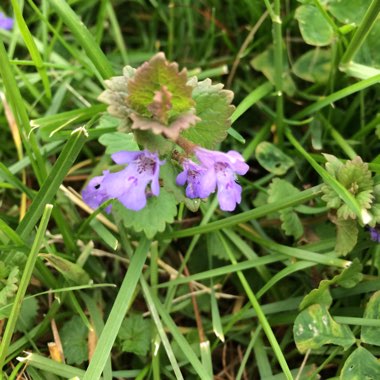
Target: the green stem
(260, 315)
(24, 282)
(278, 65)
(361, 33)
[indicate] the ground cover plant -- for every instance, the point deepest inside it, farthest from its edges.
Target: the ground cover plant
(189, 189)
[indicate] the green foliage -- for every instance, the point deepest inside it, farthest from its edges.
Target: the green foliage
(314, 28)
(8, 284)
(371, 335)
(314, 327)
(153, 217)
(348, 12)
(273, 159)
(74, 340)
(291, 223)
(346, 235)
(28, 314)
(135, 335)
(118, 141)
(361, 364)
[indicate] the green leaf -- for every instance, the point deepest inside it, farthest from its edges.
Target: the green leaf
(135, 335)
(371, 335)
(213, 107)
(8, 284)
(153, 217)
(320, 296)
(28, 314)
(291, 223)
(314, 66)
(74, 340)
(153, 77)
(369, 52)
(348, 12)
(273, 159)
(215, 246)
(314, 327)
(315, 29)
(118, 141)
(346, 235)
(361, 365)
(350, 276)
(72, 272)
(265, 62)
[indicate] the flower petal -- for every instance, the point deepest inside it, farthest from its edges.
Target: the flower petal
(124, 157)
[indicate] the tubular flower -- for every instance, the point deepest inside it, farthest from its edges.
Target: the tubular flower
(129, 185)
(6, 23)
(216, 170)
(375, 234)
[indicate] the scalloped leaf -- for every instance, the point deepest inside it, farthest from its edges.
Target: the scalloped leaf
(159, 76)
(273, 159)
(371, 335)
(350, 276)
(314, 327)
(314, 28)
(9, 283)
(360, 365)
(320, 296)
(346, 235)
(153, 217)
(213, 107)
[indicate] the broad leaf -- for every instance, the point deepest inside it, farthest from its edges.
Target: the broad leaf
(315, 29)
(320, 296)
(265, 63)
(314, 66)
(314, 327)
(74, 340)
(348, 12)
(135, 335)
(28, 314)
(350, 276)
(118, 141)
(153, 217)
(272, 158)
(369, 52)
(346, 235)
(361, 365)
(213, 107)
(371, 335)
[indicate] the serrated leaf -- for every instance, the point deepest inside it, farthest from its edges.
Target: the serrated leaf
(273, 159)
(265, 62)
(28, 314)
(314, 328)
(291, 223)
(213, 107)
(135, 335)
(118, 141)
(74, 340)
(315, 29)
(314, 66)
(72, 272)
(9, 285)
(346, 235)
(150, 79)
(371, 335)
(153, 217)
(321, 296)
(350, 276)
(360, 365)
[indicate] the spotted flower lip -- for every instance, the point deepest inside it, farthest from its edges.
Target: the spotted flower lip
(217, 170)
(6, 23)
(128, 185)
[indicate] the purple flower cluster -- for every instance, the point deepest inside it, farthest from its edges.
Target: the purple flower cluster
(375, 234)
(129, 185)
(140, 178)
(5, 22)
(216, 170)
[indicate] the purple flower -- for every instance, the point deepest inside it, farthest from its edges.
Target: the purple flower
(216, 170)
(128, 185)
(5, 22)
(375, 234)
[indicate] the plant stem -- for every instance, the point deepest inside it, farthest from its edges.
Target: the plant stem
(361, 33)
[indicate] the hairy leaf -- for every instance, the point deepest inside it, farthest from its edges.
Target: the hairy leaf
(118, 141)
(346, 235)
(28, 314)
(8, 284)
(371, 335)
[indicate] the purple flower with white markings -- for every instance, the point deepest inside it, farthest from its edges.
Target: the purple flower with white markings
(129, 185)
(216, 170)
(375, 234)
(5, 22)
